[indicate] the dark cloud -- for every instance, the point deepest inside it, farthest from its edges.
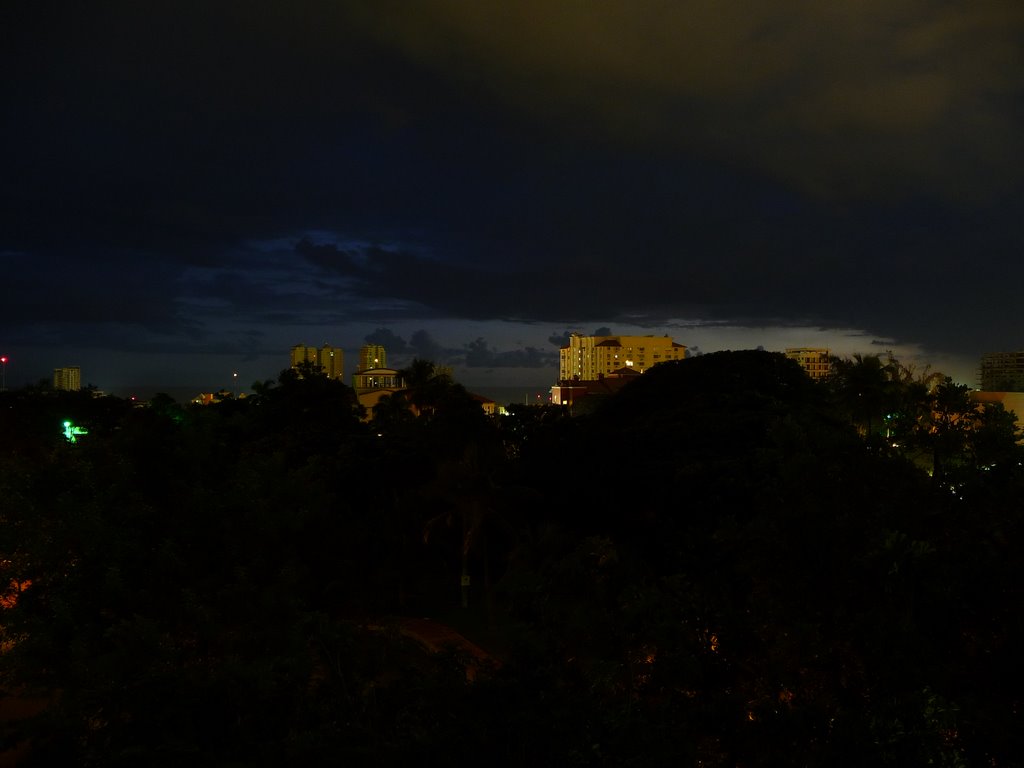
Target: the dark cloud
(182, 174)
(425, 347)
(328, 257)
(392, 343)
(47, 289)
(421, 344)
(505, 291)
(480, 355)
(912, 90)
(560, 339)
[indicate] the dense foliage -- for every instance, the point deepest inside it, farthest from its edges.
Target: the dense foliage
(725, 564)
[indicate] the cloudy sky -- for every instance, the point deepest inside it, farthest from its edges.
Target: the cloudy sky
(190, 188)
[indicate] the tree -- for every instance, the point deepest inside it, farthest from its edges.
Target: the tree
(863, 387)
(952, 420)
(391, 412)
(425, 385)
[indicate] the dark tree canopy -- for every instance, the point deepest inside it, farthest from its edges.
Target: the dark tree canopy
(725, 564)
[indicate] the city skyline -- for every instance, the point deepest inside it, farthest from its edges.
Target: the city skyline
(192, 189)
(268, 367)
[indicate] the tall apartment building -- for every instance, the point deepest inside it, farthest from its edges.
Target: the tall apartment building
(816, 362)
(67, 379)
(330, 359)
(1002, 372)
(372, 356)
(589, 358)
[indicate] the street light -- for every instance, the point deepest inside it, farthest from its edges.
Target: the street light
(3, 366)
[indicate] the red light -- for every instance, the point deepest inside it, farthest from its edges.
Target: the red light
(3, 360)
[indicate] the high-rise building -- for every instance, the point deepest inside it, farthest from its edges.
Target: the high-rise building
(303, 354)
(816, 362)
(589, 358)
(330, 359)
(372, 356)
(1002, 372)
(67, 379)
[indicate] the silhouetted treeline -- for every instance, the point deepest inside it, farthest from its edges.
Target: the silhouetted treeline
(725, 564)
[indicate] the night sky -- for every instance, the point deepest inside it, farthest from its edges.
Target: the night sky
(190, 188)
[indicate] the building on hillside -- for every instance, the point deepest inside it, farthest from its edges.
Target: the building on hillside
(374, 384)
(816, 362)
(372, 356)
(588, 358)
(369, 398)
(377, 378)
(582, 396)
(330, 359)
(1002, 372)
(490, 407)
(1001, 380)
(67, 379)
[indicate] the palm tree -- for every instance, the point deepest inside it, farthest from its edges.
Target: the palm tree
(863, 386)
(390, 411)
(427, 385)
(911, 393)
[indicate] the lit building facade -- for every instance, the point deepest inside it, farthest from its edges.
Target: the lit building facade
(374, 384)
(377, 378)
(589, 358)
(1002, 372)
(582, 396)
(330, 359)
(372, 356)
(816, 362)
(67, 379)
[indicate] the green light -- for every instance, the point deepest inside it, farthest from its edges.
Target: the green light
(71, 432)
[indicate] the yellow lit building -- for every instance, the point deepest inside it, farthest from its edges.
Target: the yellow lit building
(1002, 372)
(330, 359)
(377, 378)
(816, 362)
(67, 379)
(589, 358)
(372, 356)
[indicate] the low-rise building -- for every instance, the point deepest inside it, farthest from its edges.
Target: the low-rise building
(816, 362)
(582, 396)
(377, 378)
(588, 358)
